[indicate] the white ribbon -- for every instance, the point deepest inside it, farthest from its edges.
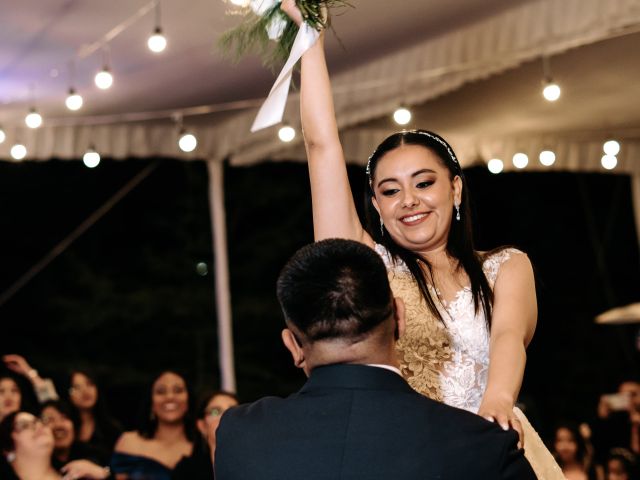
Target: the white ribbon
(272, 109)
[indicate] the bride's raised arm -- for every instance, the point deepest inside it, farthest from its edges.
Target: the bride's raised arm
(334, 212)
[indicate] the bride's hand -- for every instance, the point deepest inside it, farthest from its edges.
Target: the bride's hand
(291, 9)
(500, 410)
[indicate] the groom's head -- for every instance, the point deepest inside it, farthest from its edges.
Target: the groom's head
(338, 305)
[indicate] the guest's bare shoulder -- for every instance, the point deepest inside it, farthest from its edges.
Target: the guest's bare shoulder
(130, 442)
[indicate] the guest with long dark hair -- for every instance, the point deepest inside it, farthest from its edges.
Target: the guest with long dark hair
(572, 454)
(64, 422)
(164, 436)
(199, 466)
(96, 426)
(10, 395)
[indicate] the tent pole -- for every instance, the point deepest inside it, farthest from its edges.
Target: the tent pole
(223, 296)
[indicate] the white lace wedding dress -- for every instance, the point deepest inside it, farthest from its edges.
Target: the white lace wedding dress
(449, 362)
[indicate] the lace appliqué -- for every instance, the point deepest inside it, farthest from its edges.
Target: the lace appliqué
(447, 362)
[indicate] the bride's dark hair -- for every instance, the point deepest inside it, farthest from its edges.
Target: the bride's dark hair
(460, 241)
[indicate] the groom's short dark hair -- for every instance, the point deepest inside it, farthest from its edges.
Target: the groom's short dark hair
(335, 289)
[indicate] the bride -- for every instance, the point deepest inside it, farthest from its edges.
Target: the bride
(470, 314)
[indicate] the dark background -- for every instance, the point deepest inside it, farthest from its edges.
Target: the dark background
(126, 299)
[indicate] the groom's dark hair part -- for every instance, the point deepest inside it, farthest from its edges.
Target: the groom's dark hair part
(335, 289)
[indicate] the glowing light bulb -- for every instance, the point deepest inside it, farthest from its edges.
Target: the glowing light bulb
(611, 147)
(286, 133)
(103, 79)
(74, 100)
(187, 142)
(495, 165)
(33, 119)
(91, 158)
(3, 136)
(520, 160)
(547, 158)
(551, 91)
(18, 151)
(157, 42)
(402, 116)
(609, 162)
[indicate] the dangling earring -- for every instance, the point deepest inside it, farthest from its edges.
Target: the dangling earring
(11, 456)
(458, 212)
(381, 227)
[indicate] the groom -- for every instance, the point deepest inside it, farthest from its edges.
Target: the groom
(356, 417)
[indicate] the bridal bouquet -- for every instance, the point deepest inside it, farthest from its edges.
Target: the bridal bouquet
(264, 23)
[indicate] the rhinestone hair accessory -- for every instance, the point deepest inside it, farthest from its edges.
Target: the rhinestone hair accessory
(432, 136)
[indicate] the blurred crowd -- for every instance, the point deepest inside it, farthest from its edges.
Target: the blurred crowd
(608, 447)
(74, 436)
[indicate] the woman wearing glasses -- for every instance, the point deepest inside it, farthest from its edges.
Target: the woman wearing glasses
(199, 466)
(27, 445)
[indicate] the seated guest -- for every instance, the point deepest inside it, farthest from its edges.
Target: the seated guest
(97, 427)
(10, 395)
(199, 466)
(622, 465)
(570, 450)
(356, 417)
(164, 436)
(27, 445)
(69, 455)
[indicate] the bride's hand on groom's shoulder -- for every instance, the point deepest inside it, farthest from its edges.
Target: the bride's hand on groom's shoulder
(500, 411)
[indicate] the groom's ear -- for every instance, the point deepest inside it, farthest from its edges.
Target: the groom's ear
(291, 342)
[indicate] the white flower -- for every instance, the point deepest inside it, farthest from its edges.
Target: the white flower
(276, 27)
(260, 7)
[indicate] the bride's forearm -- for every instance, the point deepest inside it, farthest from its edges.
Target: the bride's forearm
(507, 360)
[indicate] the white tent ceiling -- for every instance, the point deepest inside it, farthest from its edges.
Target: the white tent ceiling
(473, 65)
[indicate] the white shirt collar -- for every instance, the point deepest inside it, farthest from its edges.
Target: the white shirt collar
(386, 367)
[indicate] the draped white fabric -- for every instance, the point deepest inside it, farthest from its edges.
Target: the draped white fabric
(414, 75)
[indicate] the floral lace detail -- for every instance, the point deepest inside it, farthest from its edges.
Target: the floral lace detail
(450, 363)
(447, 362)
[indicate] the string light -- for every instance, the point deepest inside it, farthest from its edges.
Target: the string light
(157, 42)
(103, 79)
(402, 115)
(611, 147)
(609, 161)
(18, 151)
(547, 158)
(187, 142)
(91, 158)
(3, 136)
(74, 100)
(551, 91)
(33, 118)
(495, 165)
(286, 133)
(520, 160)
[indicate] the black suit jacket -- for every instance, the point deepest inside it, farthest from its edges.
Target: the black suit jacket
(361, 422)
